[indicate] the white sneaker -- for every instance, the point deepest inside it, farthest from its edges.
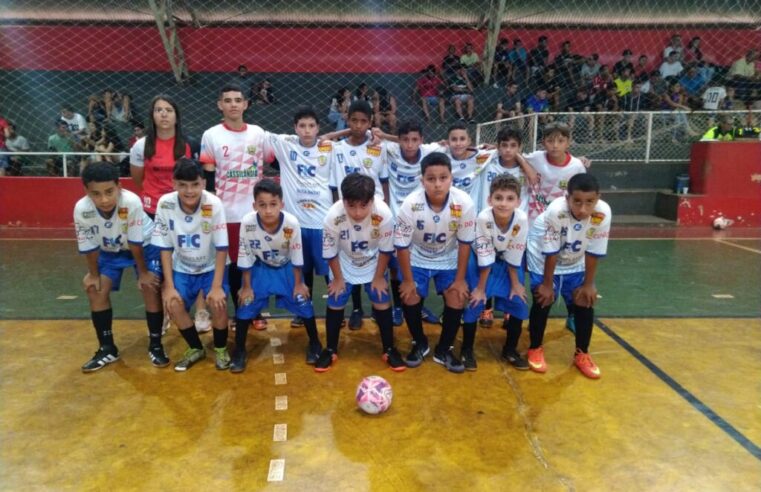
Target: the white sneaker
(166, 325)
(203, 321)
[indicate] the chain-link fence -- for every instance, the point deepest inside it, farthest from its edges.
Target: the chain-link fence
(106, 59)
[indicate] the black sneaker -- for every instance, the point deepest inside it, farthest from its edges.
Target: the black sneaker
(238, 362)
(158, 356)
(355, 320)
(417, 354)
(429, 317)
(313, 353)
(468, 359)
(447, 359)
(324, 361)
(397, 315)
(394, 360)
(297, 322)
(103, 357)
(515, 359)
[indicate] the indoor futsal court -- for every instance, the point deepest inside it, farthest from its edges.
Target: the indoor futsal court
(677, 408)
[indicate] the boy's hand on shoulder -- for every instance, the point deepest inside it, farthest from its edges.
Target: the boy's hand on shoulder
(545, 295)
(148, 280)
(245, 296)
(301, 290)
(585, 296)
(336, 287)
(170, 296)
(91, 282)
(586, 161)
(217, 299)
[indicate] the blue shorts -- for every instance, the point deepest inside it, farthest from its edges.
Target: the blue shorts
(190, 284)
(311, 240)
(393, 265)
(432, 100)
(113, 264)
(561, 284)
(442, 279)
(279, 282)
(340, 301)
(498, 286)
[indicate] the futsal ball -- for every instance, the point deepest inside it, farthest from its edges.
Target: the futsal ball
(374, 395)
(720, 223)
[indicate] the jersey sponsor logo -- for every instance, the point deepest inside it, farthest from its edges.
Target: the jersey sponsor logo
(376, 219)
(455, 211)
(306, 171)
(501, 238)
(516, 230)
(352, 153)
(87, 233)
(123, 212)
(308, 204)
(357, 227)
(367, 162)
(325, 147)
(417, 207)
(436, 219)
(481, 159)
(374, 150)
(112, 242)
(340, 219)
(403, 178)
(188, 219)
(189, 240)
(88, 214)
(482, 247)
(574, 246)
(430, 237)
(251, 172)
(490, 225)
(287, 233)
(467, 224)
(251, 149)
(577, 227)
(108, 224)
(461, 182)
(250, 227)
(305, 153)
(359, 246)
(167, 205)
(597, 218)
(453, 226)
(206, 211)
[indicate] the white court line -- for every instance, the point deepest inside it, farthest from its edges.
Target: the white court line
(280, 433)
(277, 471)
(278, 359)
(752, 250)
(281, 402)
(722, 296)
(281, 378)
(65, 298)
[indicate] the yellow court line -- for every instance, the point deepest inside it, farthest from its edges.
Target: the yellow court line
(752, 250)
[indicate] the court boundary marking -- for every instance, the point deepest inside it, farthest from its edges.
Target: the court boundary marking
(738, 246)
(693, 400)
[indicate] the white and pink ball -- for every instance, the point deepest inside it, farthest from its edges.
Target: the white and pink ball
(374, 395)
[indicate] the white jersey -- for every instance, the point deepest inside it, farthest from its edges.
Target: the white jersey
(305, 176)
(465, 172)
(357, 245)
(493, 243)
(128, 223)
(404, 177)
(713, 96)
(276, 249)
(557, 232)
(553, 180)
(77, 123)
(493, 169)
(194, 238)
(433, 236)
(238, 156)
(365, 159)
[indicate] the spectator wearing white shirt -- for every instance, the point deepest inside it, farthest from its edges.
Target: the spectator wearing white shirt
(672, 67)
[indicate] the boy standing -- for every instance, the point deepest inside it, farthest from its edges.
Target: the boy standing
(358, 242)
(434, 229)
(192, 234)
(271, 252)
(114, 233)
(564, 245)
(467, 162)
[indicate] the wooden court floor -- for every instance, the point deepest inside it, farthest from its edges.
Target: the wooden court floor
(678, 406)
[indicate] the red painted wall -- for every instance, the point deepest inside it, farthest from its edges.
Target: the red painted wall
(328, 50)
(726, 177)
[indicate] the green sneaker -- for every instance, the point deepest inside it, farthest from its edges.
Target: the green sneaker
(190, 357)
(223, 358)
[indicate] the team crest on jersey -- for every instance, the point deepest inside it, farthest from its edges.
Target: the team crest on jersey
(562, 216)
(322, 160)
(286, 244)
(490, 225)
(206, 227)
(563, 184)
(597, 218)
(167, 205)
(287, 233)
(325, 147)
(206, 211)
(453, 226)
(376, 219)
(340, 219)
(455, 211)
(89, 214)
(374, 150)
(123, 212)
(251, 150)
(481, 159)
(417, 207)
(124, 228)
(375, 233)
(590, 232)
(367, 162)
(516, 230)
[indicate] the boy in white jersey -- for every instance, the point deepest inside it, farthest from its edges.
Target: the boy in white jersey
(564, 245)
(358, 242)
(113, 232)
(305, 177)
(191, 232)
(434, 230)
(357, 154)
(496, 269)
(232, 154)
(270, 253)
(467, 162)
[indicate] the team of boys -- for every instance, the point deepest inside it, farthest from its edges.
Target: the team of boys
(358, 209)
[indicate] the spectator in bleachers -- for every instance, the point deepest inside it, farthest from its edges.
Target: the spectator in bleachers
(675, 44)
(451, 62)
(589, 69)
(243, 75)
(362, 93)
(601, 81)
(138, 132)
(581, 103)
(502, 71)
(539, 56)
(623, 82)
(694, 55)
(96, 110)
(693, 84)
(641, 71)
(565, 65)
(75, 121)
(550, 81)
(339, 106)
(61, 141)
(676, 100)
(429, 89)
(624, 62)
(724, 131)
(672, 67)
(108, 143)
(471, 62)
(744, 76)
(265, 94)
(118, 106)
(510, 105)
(89, 138)
(4, 161)
(519, 60)
(634, 102)
(461, 91)
(384, 109)
(15, 143)
(538, 103)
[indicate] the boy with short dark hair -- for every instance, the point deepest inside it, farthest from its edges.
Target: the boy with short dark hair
(358, 242)
(434, 230)
(564, 245)
(270, 252)
(191, 232)
(114, 233)
(495, 268)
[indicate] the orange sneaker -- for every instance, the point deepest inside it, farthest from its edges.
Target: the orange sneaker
(486, 320)
(259, 324)
(536, 360)
(585, 364)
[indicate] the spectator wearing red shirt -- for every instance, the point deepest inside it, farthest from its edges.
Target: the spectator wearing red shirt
(4, 161)
(428, 88)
